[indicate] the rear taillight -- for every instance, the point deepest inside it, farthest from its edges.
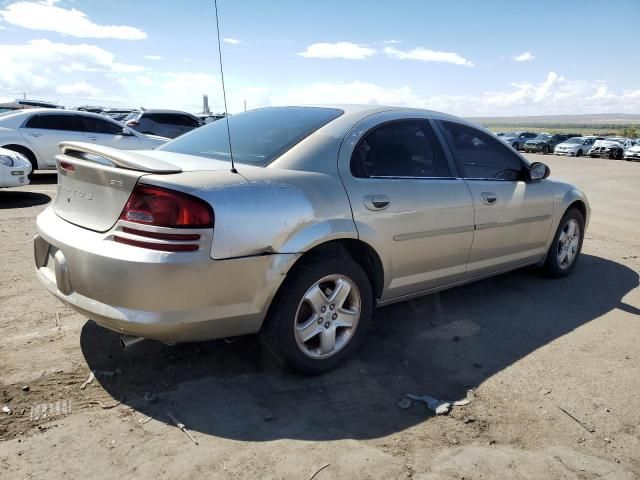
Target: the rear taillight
(160, 207)
(132, 123)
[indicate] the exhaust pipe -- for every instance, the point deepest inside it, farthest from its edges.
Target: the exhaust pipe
(127, 341)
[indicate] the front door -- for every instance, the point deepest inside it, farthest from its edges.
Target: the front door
(512, 215)
(407, 203)
(104, 132)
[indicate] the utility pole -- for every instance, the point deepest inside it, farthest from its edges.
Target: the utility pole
(245, 105)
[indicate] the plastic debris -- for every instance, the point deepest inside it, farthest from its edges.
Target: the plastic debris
(25, 388)
(91, 378)
(103, 406)
(6, 410)
(181, 426)
(441, 407)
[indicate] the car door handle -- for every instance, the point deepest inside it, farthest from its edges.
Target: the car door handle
(376, 202)
(489, 198)
(92, 138)
(35, 134)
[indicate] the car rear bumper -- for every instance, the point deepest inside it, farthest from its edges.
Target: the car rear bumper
(171, 297)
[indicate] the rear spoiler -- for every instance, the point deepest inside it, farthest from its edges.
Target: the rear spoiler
(128, 159)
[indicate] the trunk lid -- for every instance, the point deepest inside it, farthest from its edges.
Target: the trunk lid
(95, 182)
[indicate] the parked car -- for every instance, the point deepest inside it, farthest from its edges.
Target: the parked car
(328, 213)
(633, 153)
(36, 133)
(575, 146)
(517, 139)
(210, 117)
(118, 114)
(14, 169)
(610, 147)
(543, 143)
(167, 123)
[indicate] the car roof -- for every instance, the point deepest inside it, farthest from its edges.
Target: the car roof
(155, 110)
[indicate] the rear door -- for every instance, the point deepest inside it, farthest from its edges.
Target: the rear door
(104, 132)
(512, 215)
(407, 202)
(44, 131)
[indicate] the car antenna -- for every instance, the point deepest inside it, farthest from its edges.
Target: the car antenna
(224, 93)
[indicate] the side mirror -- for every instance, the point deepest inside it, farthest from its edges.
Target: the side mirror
(126, 132)
(538, 171)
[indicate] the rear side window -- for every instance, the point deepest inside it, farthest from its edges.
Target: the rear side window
(258, 136)
(405, 148)
(479, 155)
(55, 122)
(187, 121)
(97, 125)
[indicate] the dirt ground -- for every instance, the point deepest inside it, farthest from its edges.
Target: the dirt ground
(542, 356)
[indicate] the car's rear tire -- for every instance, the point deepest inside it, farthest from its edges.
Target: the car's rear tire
(516, 146)
(566, 246)
(545, 149)
(320, 315)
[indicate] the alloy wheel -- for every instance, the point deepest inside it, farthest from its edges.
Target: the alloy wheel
(327, 316)
(568, 244)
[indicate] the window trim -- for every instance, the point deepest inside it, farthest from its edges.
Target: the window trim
(453, 168)
(439, 124)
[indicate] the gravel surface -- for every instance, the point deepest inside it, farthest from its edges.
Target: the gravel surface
(555, 366)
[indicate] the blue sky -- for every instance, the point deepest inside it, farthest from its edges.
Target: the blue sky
(462, 57)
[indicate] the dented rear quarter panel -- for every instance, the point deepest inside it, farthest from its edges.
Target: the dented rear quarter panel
(268, 210)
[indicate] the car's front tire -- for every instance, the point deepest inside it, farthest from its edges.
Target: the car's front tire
(566, 246)
(320, 315)
(579, 153)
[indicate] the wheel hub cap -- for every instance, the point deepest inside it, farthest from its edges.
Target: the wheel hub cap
(568, 244)
(327, 316)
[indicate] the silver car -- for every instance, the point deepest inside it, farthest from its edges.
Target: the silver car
(328, 213)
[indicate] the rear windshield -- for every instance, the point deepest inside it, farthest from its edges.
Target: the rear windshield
(257, 137)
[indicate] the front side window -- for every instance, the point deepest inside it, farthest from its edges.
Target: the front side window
(405, 148)
(55, 122)
(258, 136)
(479, 155)
(97, 125)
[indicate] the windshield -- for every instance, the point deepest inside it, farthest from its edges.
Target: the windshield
(257, 137)
(544, 136)
(132, 115)
(511, 134)
(575, 140)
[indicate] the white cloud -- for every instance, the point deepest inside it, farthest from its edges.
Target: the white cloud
(426, 55)
(80, 89)
(46, 16)
(187, 60)
(553, 95)
(524, 57)
(40, 67)
(232, 41)
(347, 50)
(348, 92)
(153, 57)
